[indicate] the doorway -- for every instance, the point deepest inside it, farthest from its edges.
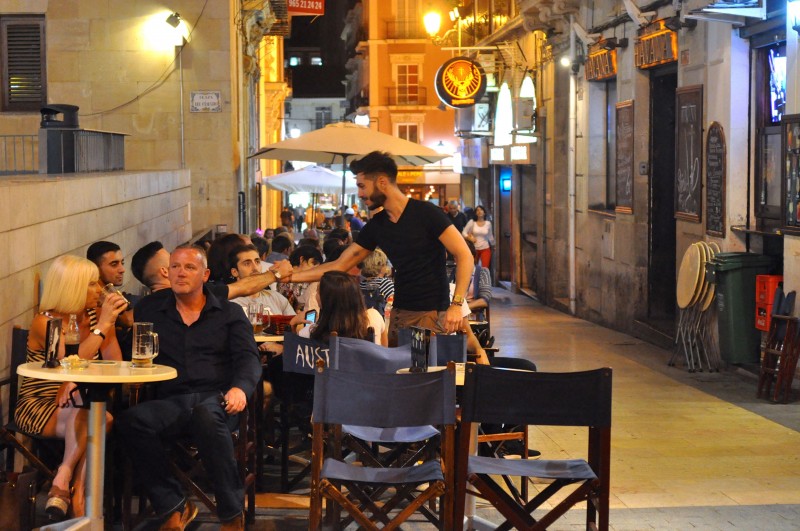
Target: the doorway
(661, 259)
(504, 216)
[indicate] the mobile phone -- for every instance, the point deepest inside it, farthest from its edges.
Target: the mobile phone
(311, 315)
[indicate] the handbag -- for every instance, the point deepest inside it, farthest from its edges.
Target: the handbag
(17, 499)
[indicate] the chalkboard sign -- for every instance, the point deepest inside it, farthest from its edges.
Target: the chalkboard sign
(715, 180)
(420, 348)
(624, 162)
(688, 152)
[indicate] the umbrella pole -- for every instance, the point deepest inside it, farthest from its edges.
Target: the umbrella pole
(344, 176)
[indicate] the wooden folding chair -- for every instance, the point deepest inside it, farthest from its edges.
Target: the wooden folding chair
(583, 399)
(384, 401)
(779, 358)
(43, 448)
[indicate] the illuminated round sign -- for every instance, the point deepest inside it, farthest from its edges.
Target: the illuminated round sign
(460, 82)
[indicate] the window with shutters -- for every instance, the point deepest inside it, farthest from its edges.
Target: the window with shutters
(22, 63)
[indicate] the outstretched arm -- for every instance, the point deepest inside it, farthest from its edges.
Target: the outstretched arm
(351, 257)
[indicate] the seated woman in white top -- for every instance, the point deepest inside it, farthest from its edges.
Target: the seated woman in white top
(342, 310)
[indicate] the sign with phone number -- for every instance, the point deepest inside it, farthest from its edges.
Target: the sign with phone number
(306, 7)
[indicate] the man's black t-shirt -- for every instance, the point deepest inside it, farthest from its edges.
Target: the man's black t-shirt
(412, 244)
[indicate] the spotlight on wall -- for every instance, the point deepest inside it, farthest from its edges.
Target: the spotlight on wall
(613, 42)
(675, 24)
(174, 19)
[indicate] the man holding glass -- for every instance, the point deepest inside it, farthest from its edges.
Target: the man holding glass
(210, 343)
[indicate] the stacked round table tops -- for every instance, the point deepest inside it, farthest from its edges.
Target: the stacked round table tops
(692, 287)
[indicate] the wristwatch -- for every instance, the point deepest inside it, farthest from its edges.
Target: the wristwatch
(458, 300)
(97, 332)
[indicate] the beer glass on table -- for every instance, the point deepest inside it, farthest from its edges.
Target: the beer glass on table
(145, 345)
(255, 313)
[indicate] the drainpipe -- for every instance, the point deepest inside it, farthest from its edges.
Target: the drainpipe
(572, 130)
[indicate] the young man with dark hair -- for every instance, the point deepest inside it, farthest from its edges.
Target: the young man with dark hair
(415, 235)
(107, 256)
(150, 266)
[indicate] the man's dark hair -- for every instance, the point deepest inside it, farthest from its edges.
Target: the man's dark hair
(329, 245)
(233, 256)
(339, 233)
(280, 244)
(372, 164)
(306, 252)
(141, 257)
(313, 242)
(335, 253)
(279, 230)
(218, 256)
(261, 244)
(98, 249)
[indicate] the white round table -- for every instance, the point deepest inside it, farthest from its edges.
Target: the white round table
(96, 379)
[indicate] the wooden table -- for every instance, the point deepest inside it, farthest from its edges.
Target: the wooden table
(261, 338)
(95, 381)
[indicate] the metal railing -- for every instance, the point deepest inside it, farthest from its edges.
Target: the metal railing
(19, 154)
(406, 96)
(99, 151)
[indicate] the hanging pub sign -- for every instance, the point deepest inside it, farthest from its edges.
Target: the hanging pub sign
(656, 45)
(460, 82)
(601, 63)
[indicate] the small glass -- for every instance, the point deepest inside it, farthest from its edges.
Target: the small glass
(110, 288)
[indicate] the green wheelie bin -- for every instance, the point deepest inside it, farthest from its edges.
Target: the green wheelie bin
(734, 275)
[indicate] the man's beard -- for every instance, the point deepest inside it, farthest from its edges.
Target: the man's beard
(377, 199)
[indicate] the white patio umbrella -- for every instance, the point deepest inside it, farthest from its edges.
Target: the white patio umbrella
(311, 179)
(343, 142)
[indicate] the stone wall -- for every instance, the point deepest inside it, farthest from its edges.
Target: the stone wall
(42, 218)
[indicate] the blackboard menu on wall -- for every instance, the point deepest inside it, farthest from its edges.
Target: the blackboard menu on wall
(715, 180)
(688, 152)
(624, 162)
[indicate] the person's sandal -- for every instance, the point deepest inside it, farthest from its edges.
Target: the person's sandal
(57, 503)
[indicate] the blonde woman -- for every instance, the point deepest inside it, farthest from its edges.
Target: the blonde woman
(71, 287)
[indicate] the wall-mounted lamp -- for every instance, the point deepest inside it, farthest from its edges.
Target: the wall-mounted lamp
(613, 42)
(174, 19)
(433, 23)
(675, 23)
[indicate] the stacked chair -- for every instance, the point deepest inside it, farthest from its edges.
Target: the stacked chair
(779, 358)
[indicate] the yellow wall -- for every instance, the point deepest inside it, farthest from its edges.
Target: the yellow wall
(102, 54)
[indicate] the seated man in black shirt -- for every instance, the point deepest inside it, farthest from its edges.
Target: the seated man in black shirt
(210, 343)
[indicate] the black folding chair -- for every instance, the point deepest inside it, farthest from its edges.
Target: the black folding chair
(384, 401)
(44, 449)
(495, 395)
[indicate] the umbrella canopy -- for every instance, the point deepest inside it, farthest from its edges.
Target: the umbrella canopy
(344, 141)
(311, 179)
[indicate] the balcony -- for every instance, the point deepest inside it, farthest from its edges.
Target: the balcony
(405, 29)
(406, 96)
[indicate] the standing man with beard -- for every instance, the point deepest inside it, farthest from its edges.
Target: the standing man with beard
(415, 235)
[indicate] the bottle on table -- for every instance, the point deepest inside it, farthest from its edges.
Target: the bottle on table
(72, 337)
(387, 311)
